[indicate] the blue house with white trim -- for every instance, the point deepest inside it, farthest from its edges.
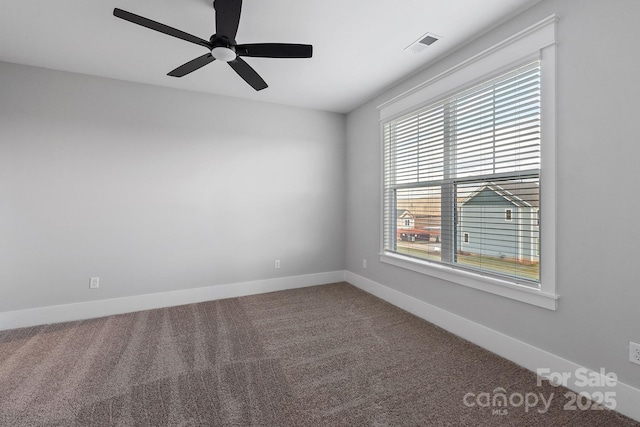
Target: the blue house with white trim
(499, 222)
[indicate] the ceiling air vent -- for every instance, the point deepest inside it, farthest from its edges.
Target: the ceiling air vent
(423, 42)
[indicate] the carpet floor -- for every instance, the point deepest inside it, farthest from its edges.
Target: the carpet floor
(328, 355)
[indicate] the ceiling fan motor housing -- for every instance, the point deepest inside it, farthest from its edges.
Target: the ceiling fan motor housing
(223, 49)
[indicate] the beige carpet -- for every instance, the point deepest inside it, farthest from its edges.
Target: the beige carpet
(321, 356)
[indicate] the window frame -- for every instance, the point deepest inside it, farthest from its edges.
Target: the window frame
(508, 215)
(537, 42)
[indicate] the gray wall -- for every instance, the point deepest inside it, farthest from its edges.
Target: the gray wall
(597, 137)
(153, 189)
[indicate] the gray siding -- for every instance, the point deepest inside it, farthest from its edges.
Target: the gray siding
(484, 229)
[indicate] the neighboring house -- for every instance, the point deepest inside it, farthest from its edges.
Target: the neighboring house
(426, 215)
(500, 222)
(412, 228)
(406, 220)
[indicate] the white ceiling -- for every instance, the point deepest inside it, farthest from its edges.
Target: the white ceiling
(359, 45)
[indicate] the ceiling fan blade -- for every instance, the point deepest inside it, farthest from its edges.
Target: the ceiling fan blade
(275, 50)
(137, 19)
(249, 75)
(227, 18)
(192, 65)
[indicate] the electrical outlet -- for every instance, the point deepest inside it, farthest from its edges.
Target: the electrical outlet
(634, 352)
(94, 283)
(276, 264)
(364, 263)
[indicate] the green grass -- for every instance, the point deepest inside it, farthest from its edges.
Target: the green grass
(508, 267)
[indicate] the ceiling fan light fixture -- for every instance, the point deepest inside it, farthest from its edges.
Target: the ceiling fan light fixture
(222, 53)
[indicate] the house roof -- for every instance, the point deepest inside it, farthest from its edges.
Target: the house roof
(402, 213)
(514, 192)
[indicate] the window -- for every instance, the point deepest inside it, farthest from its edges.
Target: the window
(464, 165)
(507, 214)
(470, 162)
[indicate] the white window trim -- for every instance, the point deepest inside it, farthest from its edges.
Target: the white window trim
(535, 42)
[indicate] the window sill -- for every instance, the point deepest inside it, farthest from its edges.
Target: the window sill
(492, 285)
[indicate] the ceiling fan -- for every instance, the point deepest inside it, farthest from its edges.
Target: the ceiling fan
(222, 44)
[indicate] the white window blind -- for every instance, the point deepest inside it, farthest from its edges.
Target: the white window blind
(467, 170)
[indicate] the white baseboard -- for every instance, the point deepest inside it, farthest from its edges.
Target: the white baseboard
(525, 355)
(107, 307)
(532, 358)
